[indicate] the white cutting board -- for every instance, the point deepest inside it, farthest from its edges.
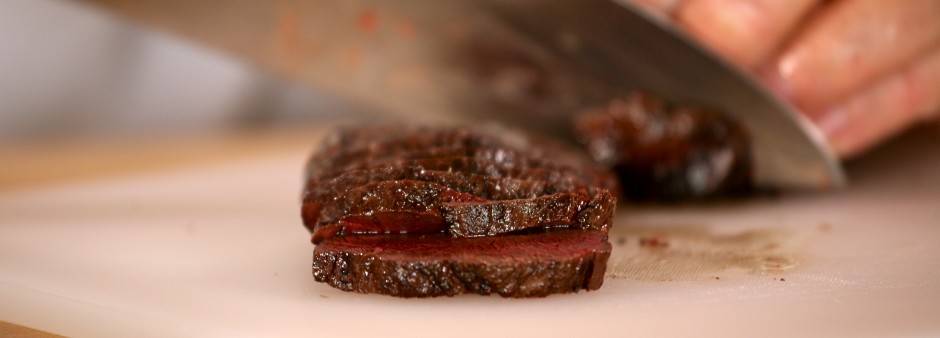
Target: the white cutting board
(218, 250)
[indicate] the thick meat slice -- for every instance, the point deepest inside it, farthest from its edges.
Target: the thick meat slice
(338, 189)
(474, 219)
(525, 265)
(503, 156)
(497, 188)
(355, 159)
(448, 149)
(407, 146)
(487, 167)
(426, 207)
(368, 151)
(384, 207)
(492, 188)
(367, 140)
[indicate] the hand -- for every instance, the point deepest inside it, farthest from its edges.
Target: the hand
(862, 70)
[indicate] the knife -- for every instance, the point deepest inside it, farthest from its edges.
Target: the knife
(532, 63)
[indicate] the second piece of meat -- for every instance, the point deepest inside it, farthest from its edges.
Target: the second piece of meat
(467, 184)
(404, 206)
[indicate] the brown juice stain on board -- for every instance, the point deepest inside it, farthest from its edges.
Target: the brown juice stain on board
(681, 253)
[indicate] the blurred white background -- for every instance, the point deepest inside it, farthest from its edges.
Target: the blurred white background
(67, 69)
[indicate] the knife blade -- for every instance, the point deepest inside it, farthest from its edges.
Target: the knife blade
(532, 63)
(631, 49)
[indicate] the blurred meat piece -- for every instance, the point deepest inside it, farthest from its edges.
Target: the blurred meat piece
(667, 152)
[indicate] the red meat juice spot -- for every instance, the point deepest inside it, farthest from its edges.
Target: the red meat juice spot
(394, 222)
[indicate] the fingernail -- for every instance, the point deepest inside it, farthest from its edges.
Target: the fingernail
(832, 124)
(775, 83)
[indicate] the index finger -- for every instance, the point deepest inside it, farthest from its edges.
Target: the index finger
(745, 31)
(852, 45)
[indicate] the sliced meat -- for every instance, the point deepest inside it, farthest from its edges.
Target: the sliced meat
(475, 219)
(424, 207)
(526, 265)
(424, 144)
(336, 192)
(383, 155)
(378, 147)
(396, 137)
(492, 188)
(421, 212)
(496, 154)
(385, 207)
(484, 166)
(488, 187)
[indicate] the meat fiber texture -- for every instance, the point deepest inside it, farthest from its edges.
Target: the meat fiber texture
(444, 199)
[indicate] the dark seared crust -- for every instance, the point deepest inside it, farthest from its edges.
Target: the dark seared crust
(492, 188)
(599, 212)
(425, 144)
(445, 149)
(383, 155)
(435, 170)
(366, 141)
(363, 150)
(362, 136)
(474, 219)
(526, 265)
(490, 163)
